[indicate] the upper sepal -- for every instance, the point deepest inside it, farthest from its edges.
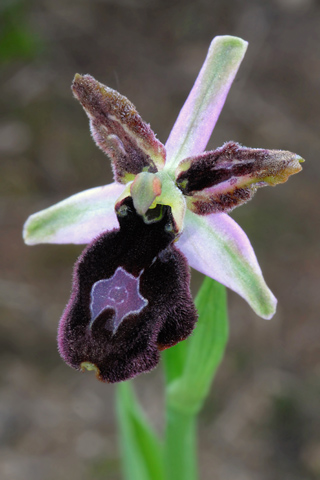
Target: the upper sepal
(118, 129)
(199, 114)
(222, 179)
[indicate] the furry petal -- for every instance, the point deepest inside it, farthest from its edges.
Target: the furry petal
(229, 176)
(118, 129)
(77, 219)
(216, 246)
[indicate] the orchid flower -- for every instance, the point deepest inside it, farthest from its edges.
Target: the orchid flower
(166, 208)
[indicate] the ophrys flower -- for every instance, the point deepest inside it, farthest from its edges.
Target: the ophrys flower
(161, 195)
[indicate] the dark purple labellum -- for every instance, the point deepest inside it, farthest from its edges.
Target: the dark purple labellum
(130, 298)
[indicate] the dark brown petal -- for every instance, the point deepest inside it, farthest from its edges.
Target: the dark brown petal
(118, 129)
(222, 179)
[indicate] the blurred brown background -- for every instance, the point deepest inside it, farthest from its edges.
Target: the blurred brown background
(262, 418)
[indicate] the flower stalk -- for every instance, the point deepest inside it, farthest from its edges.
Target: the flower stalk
(180, 451)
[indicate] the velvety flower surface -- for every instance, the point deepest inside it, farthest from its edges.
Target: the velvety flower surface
(130, 299)
(130, 294)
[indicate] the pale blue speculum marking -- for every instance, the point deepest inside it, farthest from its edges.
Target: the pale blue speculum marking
(119, 292)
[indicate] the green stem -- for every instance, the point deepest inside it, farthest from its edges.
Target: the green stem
(180, 446)
(190, 369)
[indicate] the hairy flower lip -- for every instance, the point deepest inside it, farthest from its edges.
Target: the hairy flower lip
(119, 334)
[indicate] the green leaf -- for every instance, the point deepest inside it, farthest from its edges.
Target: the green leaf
(174, 361)
(205, 350)
(141, 450)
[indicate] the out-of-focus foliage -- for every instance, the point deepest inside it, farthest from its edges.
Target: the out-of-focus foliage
(17, 39)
